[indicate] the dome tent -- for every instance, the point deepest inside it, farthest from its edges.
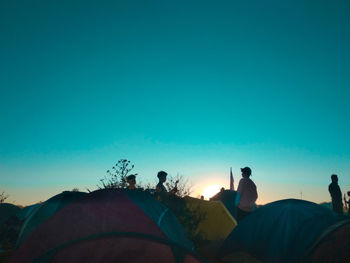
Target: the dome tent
(108, 226)
(333, 246)
(281, 231)
(38, 213)
(230, 200)
(217, 223)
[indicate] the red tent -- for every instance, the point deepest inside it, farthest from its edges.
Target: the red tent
(334, 246)
(104, 226)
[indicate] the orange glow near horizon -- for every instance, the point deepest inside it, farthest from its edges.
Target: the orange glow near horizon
(210, 191)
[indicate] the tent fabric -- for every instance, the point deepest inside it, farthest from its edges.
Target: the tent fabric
(27, 211)
(6, 211)
(334, 247)
(218, 221)
(42, 212)
(281, 231)
(230, 199)
(114, 247)
(163, 216)
(239, 257)
(10, 229)
(9, 225)
(104, 218)
(9, 232)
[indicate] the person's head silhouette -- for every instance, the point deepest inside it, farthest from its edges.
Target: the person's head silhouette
(334, 178)
(131, 180)
(246, 172)
(162, 176)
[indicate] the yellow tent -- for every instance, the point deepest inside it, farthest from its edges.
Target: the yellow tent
(218, 222)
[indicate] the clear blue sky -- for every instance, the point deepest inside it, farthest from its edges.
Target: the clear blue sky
(189, 87)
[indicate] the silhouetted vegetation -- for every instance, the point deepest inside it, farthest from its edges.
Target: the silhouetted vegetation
(189, 219)
(184, 187)
(116, 177)
(3, 197)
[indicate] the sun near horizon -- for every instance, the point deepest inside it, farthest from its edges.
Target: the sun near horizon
(189, 89)
(210, 191)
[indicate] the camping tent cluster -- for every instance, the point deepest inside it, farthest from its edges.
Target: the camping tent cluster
(102, 226)
(288, 231)
(132, 226)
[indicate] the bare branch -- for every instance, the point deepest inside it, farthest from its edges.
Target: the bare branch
(3, 197)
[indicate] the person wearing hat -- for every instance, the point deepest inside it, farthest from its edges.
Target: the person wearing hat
(248, 194)
(336, 195)
(131, 180)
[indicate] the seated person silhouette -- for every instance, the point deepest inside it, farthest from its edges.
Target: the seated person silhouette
(131, 180)
(161, 191)
(248, 194)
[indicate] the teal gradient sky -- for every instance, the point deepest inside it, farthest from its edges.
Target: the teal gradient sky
(189, 87)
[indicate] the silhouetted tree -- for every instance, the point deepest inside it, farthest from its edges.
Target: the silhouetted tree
(3, 197)
(184, 187)
(116, 177)
(188, 218)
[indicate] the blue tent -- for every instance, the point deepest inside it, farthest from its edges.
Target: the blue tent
(281, 231)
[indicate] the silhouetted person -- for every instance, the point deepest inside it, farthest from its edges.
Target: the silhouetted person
(161, 191)
(131, 180)
(248, 194)
(336, 195)
(347, 202)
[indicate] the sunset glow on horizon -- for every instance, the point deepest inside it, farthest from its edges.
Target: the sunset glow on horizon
(210, 191)
(189, 87)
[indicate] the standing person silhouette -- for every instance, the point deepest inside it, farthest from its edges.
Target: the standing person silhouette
(336, 195)
(248, 194)
(347, 202)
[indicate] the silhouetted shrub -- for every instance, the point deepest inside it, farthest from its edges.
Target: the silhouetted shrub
(3, 197)
(116, 177)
